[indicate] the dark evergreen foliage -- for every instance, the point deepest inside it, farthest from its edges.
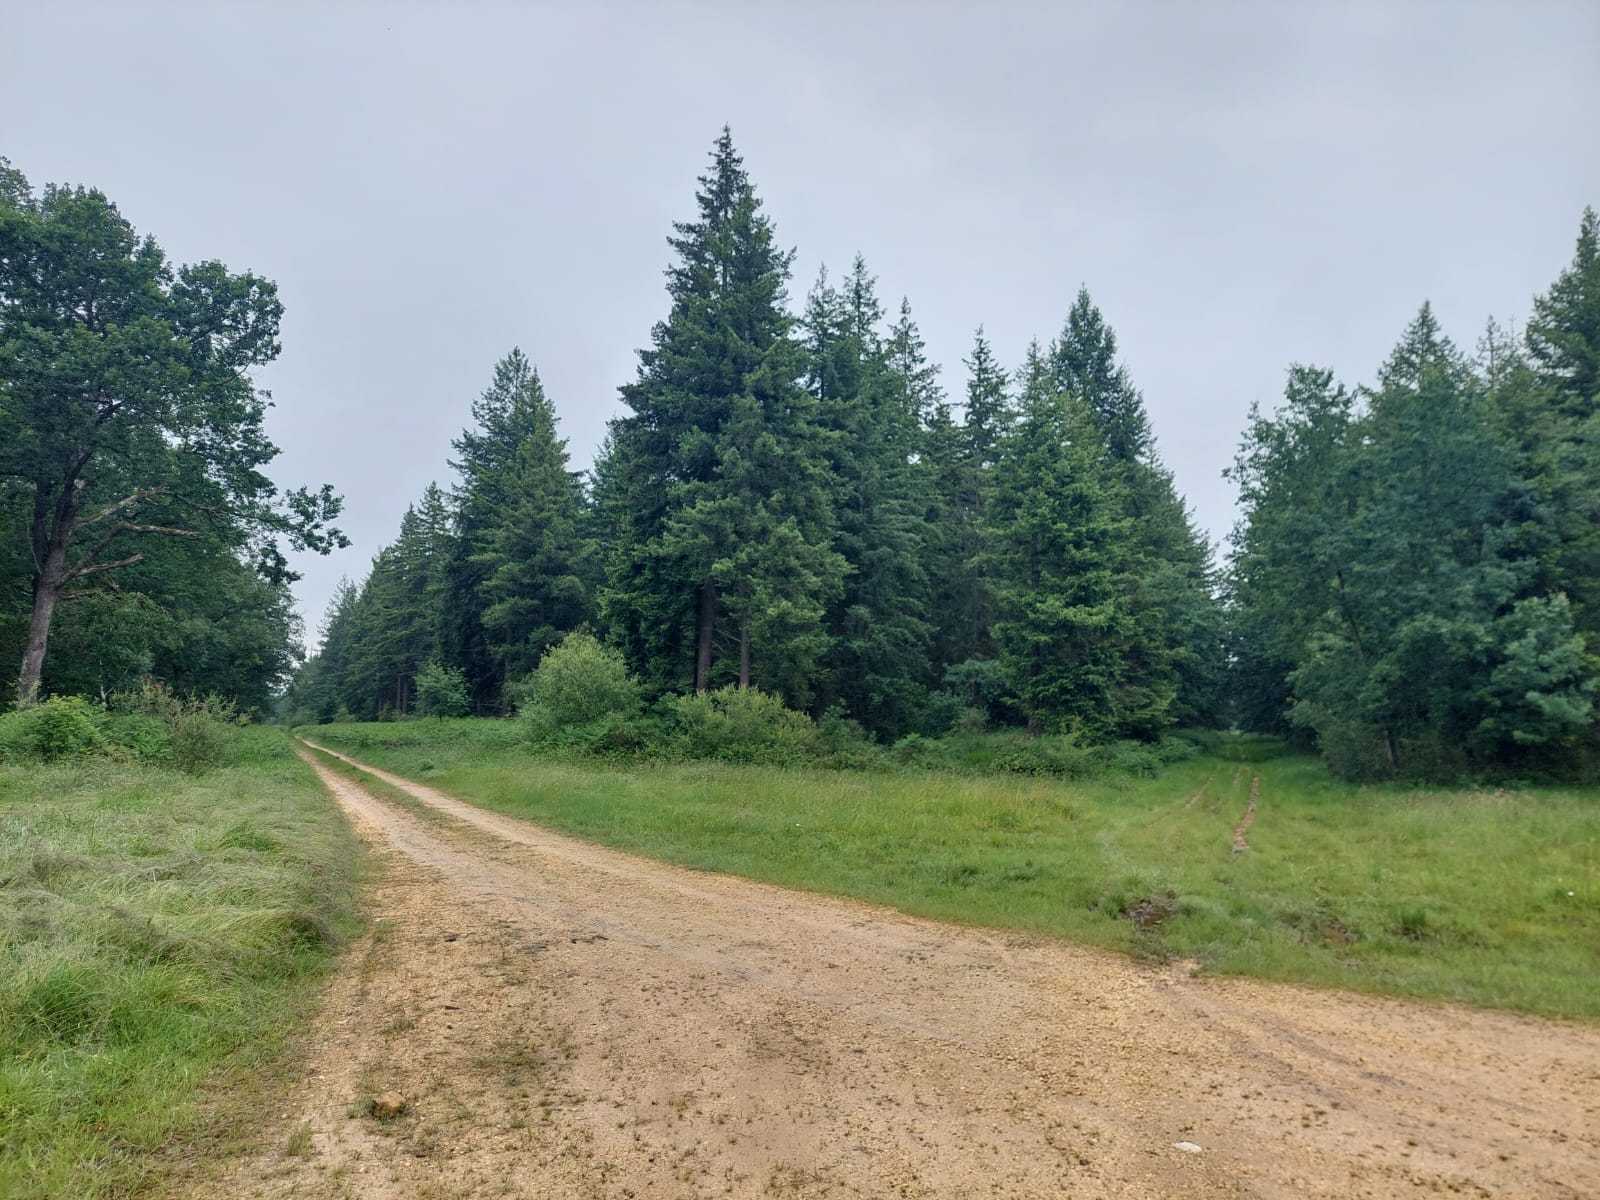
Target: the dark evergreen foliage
(792, 510)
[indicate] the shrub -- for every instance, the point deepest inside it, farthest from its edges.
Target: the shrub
(201, 731)
(971, 721)
(939, 713)
(578, 681)
(61, 726)
(741, 725)
(582, 696)
(141, 735)
(442, 691)
(981, 683)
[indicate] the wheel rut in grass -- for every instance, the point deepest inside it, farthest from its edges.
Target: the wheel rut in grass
(565, 1020)
(1240, 841)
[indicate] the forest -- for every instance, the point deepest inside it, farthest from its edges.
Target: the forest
(795, 502)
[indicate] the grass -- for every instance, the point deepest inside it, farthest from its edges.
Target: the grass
(159, 934)
(1487, 897)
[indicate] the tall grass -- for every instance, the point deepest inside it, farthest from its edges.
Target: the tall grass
(156, 927)
(1489, 897)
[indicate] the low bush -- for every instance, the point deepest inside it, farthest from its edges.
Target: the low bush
(740, 725)
(201, 732)
(1056, 756)
(581, 696)
(442, 691)
(60, 727)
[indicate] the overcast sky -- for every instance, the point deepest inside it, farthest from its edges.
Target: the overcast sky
(1240, 187)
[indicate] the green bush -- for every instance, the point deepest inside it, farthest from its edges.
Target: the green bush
(581, 695)
(741, 725)
(442, 691)
(201, 731)
(60, 727)
(141, 736)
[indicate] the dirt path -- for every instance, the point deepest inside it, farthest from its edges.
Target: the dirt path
(565, 1020)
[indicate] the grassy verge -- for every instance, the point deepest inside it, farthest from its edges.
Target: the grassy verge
(159, 932)
(1488, 897)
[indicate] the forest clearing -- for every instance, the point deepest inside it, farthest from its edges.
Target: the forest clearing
(904, 602)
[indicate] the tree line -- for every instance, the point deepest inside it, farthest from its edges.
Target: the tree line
(792, 501)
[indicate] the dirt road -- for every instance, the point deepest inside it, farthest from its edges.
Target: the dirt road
(564, 1020)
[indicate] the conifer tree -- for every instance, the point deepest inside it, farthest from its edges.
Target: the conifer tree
(1546, 401)
(877, 665)
(1176, 658)
(988, 413)
(486, 461)
(729, 560)
(1058, 558)
(1395, 556)
(1564, 334)
(1083, 360)
(535, 551)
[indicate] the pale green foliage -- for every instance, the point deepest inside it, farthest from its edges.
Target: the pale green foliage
(581, 695)
(1393, 557)
(442, 691)
(201, 731)
(741, 725)
(60, 727)
(1541, 690)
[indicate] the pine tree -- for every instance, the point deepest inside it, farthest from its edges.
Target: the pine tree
(877, 666)
(486, 460)
(1083, 360)
(1547, 404)
(1175, 661)
(1059, 564)
(914, 380)
(535, 551)
(1564, 334)
(729, 561)
(988, 413)
(1396, 558)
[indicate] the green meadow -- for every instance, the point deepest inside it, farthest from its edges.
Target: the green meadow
(1487, 896)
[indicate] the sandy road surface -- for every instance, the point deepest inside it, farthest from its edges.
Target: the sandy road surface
(566, 1020)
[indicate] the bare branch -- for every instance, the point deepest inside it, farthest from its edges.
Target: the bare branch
(129, 527)
(117, 506)
(97, 568)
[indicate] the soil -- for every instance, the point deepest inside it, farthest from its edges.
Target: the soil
(543, 1017)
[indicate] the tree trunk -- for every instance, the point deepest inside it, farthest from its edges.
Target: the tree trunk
(46, 591)
(50, 552)
(744, 655)
(707, 626)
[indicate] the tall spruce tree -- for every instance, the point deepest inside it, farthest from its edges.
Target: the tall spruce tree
(1547, 400)
(1564, 333)
(1395, 556)
(1058, 556)
(1176, 661)
(877, 665)
(536, 552)
(728, 563)
(486, 461)
(1084, 361)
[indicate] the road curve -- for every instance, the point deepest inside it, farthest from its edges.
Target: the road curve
(566, 1020)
